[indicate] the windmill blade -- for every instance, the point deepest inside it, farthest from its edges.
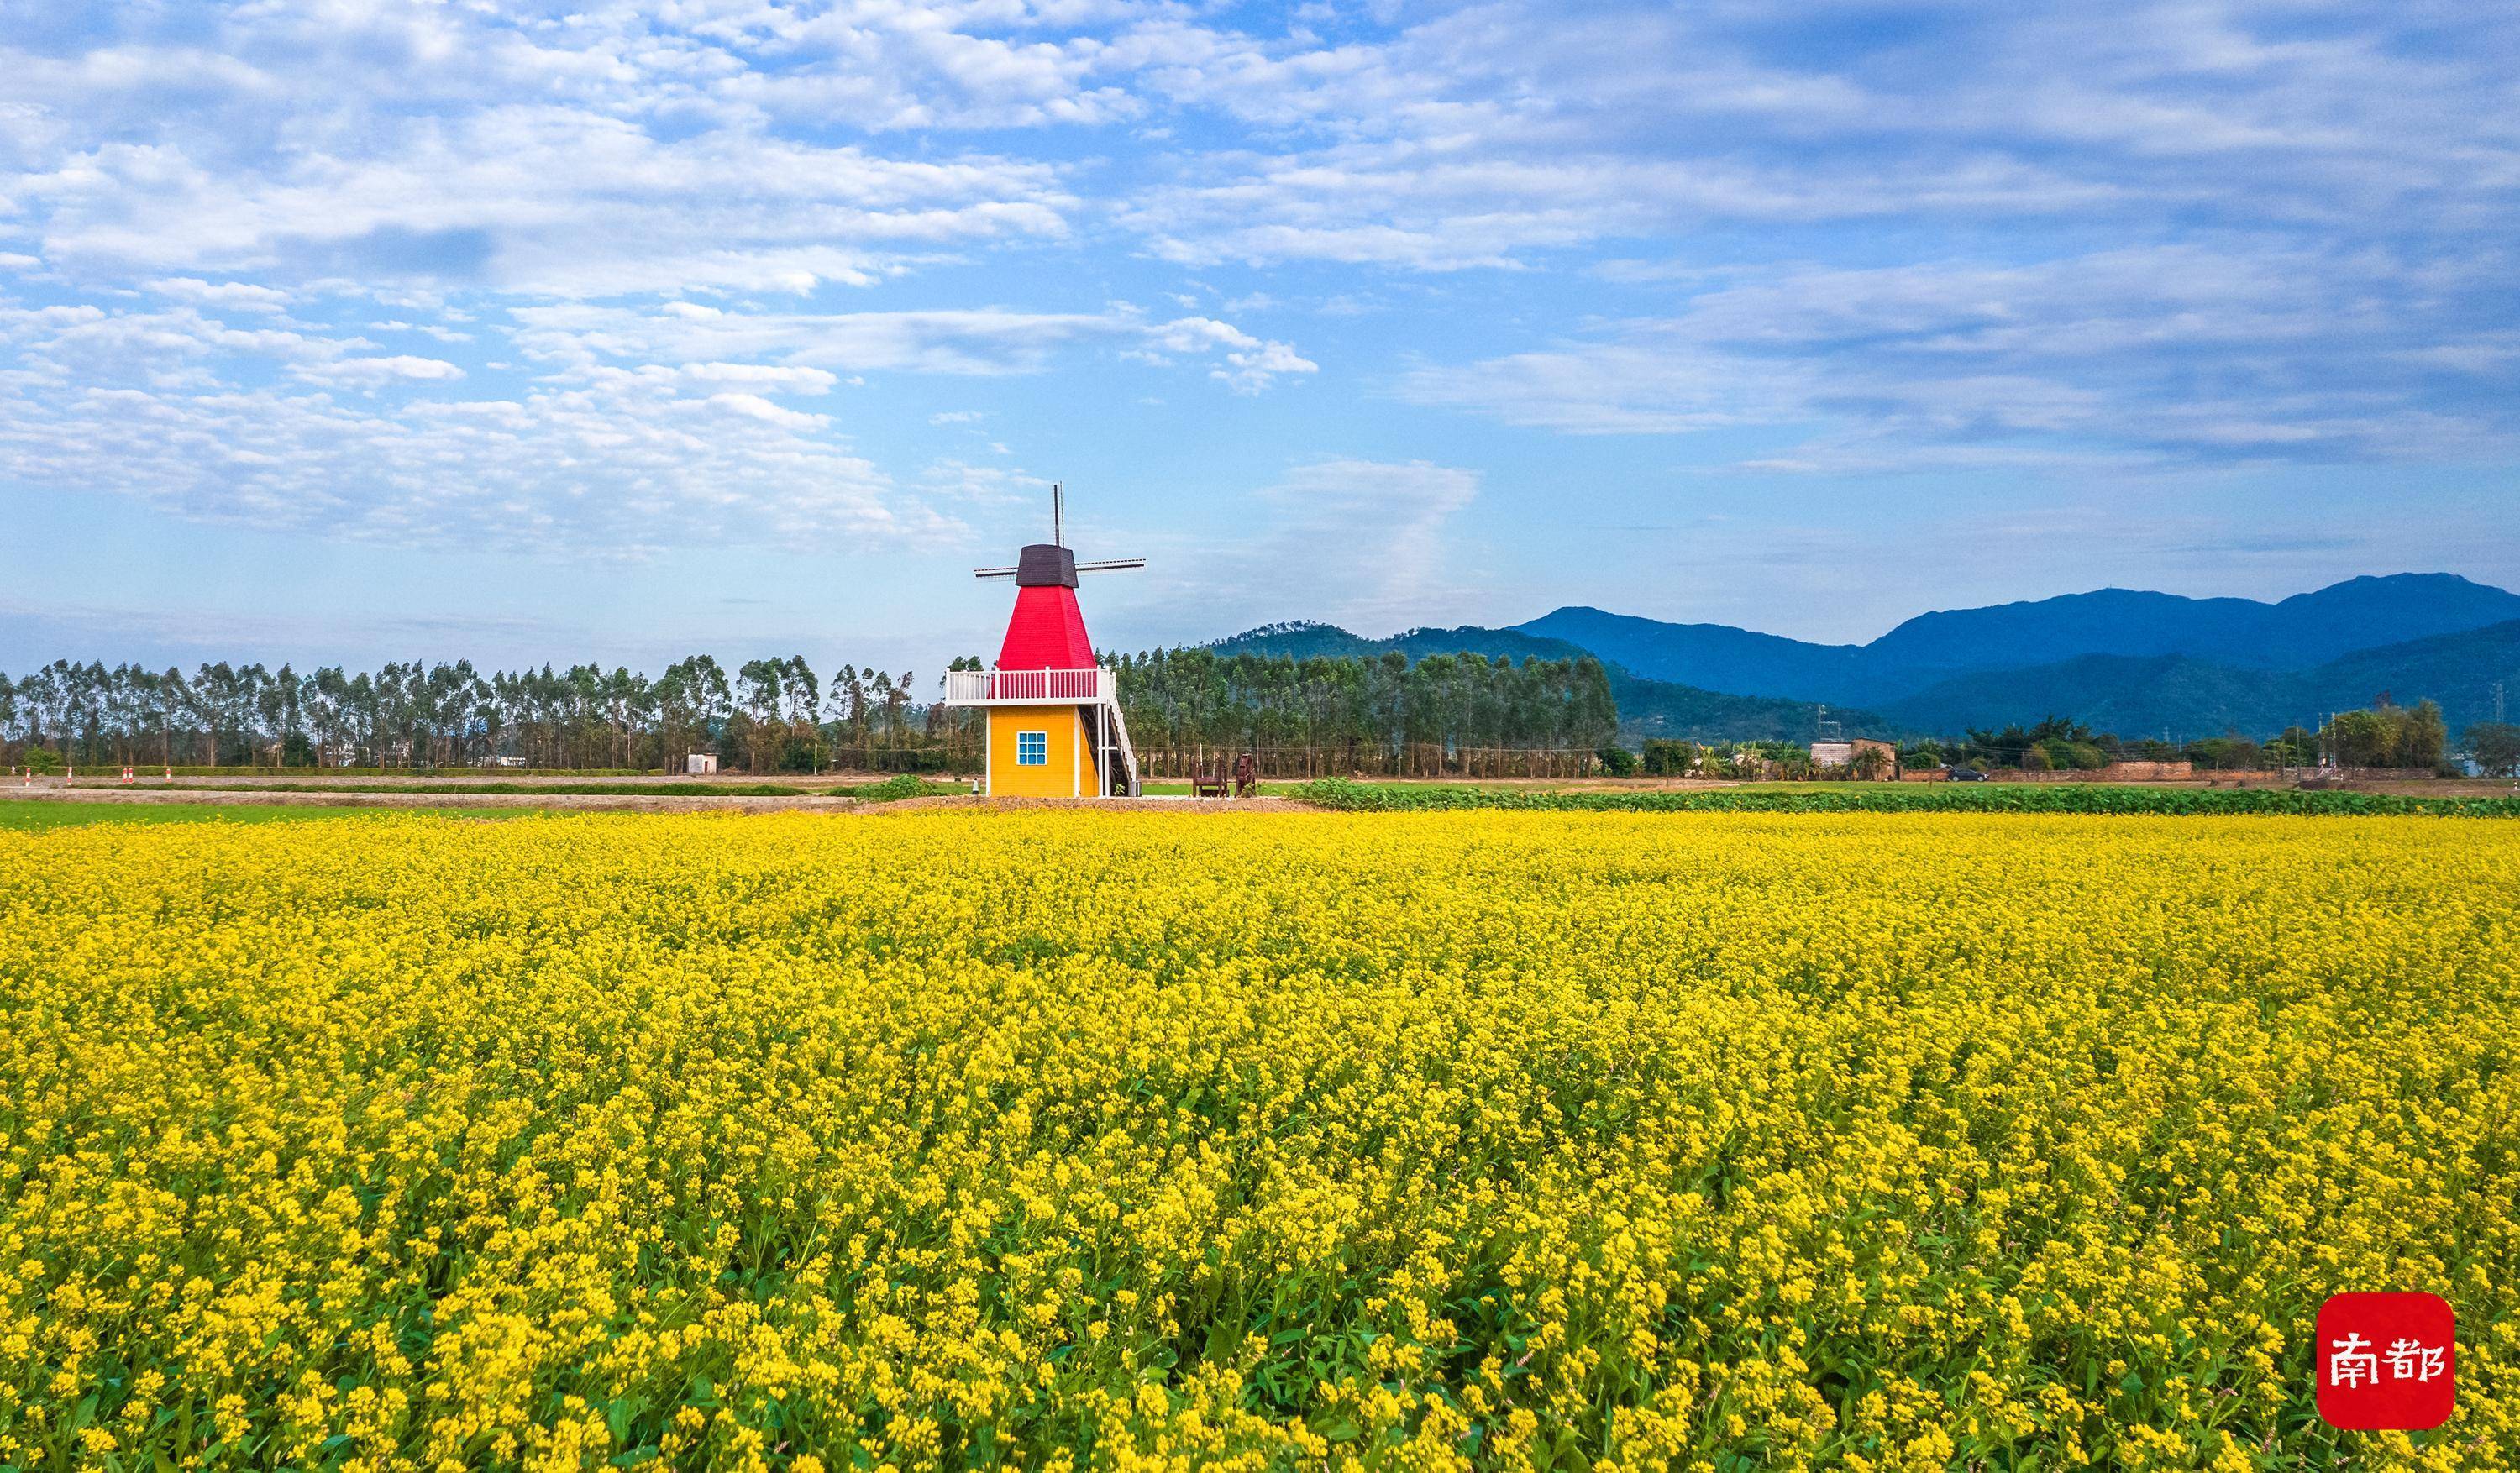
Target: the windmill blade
(1111, 565)
(993, 572)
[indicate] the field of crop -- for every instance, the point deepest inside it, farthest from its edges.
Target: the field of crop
(1890, 798)
(40, 814)
(1624, 1142)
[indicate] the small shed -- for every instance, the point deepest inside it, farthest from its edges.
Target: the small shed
(1846, 751)
(701, 764)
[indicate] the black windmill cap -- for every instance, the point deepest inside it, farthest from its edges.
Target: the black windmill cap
(1046, 564)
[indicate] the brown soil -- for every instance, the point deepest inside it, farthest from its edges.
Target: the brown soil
(247, 797)
(1142, 805)
(620, 802)
(105, 779)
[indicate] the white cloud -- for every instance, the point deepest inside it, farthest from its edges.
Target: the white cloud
(620, 469)
(1499, 133)
(1362, 543)
(983, 342)
(2133, 357)
(786, 379)
(756, 407)
(231, 296)
(956, 479)
(1190, 335)
(539, 200)
(2223, 233)
(179, 410)
(1256, 368)
(371, 371)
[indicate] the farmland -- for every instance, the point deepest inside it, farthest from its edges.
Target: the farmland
(49, 815)
(1873, 797)
(1511, 1139)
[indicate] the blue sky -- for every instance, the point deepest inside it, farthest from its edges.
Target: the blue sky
(337, 332)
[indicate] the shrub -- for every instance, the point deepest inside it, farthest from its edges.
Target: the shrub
(1667, 758)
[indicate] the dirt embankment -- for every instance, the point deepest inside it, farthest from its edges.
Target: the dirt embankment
(105, 779)
(247, 797)
(254, 797)
(1126, 805)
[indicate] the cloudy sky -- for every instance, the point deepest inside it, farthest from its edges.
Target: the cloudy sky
(335, 330)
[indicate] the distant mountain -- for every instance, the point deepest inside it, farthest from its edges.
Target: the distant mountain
(2458, 670)
(2295, 634)
(2301, 631)
(2189, 697)
(2131, 695)
(2134, 663)
(1646, 707)
(1662, 708)
(1721, 657)
(1304, 641)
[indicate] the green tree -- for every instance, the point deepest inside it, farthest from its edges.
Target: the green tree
(2388, 735)
(2496, 747)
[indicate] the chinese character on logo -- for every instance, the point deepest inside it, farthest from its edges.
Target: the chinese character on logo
(2350, 1363)
(2386, 1361)
(2409, 1361)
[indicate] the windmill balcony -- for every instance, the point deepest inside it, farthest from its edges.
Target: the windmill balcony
(1020, 688)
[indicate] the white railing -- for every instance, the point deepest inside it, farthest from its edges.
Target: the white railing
(973, 688)
(1128, 753)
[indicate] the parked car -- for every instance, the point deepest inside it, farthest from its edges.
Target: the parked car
(1968, 774)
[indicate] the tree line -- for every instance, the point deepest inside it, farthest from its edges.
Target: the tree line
(764, 714)
(2384, 735)
(781, 714)
(1382, 714)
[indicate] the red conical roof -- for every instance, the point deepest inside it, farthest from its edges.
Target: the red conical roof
(1046, 632)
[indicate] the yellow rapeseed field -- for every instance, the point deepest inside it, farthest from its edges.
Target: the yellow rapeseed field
(1067, 1139)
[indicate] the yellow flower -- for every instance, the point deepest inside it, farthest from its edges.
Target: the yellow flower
(1121, 1140)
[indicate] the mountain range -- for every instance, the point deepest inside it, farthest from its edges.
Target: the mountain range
(2118, 659)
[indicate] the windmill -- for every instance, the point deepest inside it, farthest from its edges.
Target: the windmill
(1053, 717)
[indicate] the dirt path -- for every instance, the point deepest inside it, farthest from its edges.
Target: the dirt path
(1123, 805)
(106, 778)
(247, 797)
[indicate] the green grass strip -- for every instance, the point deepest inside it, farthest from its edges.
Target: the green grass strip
(34, 815)
(904, 786)
(1991, 797)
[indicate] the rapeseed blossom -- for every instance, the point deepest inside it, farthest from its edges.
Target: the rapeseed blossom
(1124, 1140)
